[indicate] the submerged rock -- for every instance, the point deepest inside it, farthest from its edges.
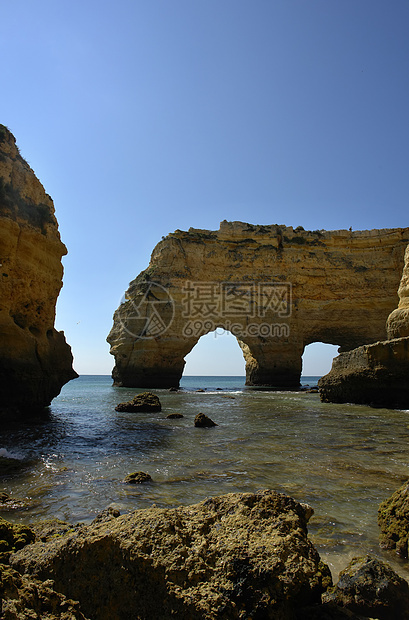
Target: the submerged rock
(229, 557)
(393, 520)
(174, 416)
(145, 402)
(372, 589)
(203, 421)
(35, 360)
(138, 477)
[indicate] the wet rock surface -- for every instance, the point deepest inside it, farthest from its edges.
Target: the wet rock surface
(372, 589)
(234, 556)
(13, 537)
(203, 421)
(393, 520)
(27, 598)
(138, 477)
(145, 402)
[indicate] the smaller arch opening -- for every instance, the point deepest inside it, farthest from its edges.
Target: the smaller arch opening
(317, 359)
(215, 354)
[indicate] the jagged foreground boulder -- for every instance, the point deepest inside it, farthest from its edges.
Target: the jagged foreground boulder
(234, 556)
(35, 360)
(375, 374)
(371, 588)
(27, 598)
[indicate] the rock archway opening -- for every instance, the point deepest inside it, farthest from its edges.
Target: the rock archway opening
(215, 354)
(317, 359)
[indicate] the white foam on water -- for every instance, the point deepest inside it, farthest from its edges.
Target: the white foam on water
(9, 455)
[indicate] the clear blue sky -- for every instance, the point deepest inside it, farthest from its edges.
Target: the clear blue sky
(143, 116)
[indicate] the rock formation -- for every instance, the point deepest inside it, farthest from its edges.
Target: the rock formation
(234, 556)
(398, 321)
(393, 520)
(35, 360)
(376, 374)
(141, 403)
(371, 589)
(275, 288)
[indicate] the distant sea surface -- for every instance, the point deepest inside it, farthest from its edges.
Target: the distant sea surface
(341, 459)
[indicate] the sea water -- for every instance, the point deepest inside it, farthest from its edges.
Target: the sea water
(343, 460)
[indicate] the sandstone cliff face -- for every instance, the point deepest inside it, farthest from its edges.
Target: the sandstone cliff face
(398, 320)
(35, 360)
(275, 288)
(377, 374)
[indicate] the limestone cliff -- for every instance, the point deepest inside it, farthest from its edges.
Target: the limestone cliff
(275, 288)
(398, 321)
(377, 374)
(35, 360)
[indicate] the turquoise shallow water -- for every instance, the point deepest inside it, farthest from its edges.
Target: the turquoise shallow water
(342, 459)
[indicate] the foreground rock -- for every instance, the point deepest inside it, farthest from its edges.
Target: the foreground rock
(35, 360)
(27, 598)
(234, 556)
(393, 520)
(328, 286)
(372, 589)
(376, 375)
(144, 402)
(12, 538)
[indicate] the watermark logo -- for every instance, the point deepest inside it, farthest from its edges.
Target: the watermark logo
(242, 308)
(235, 307)
(149, 313)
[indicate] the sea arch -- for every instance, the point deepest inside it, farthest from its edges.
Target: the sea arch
(283, 288)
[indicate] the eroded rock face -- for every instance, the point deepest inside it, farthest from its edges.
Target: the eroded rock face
(375, 374)
(35, 360)
(371, 589)
(398, 320)
(275, 288)
(26, 598)
(393, 520)
(233, 556)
